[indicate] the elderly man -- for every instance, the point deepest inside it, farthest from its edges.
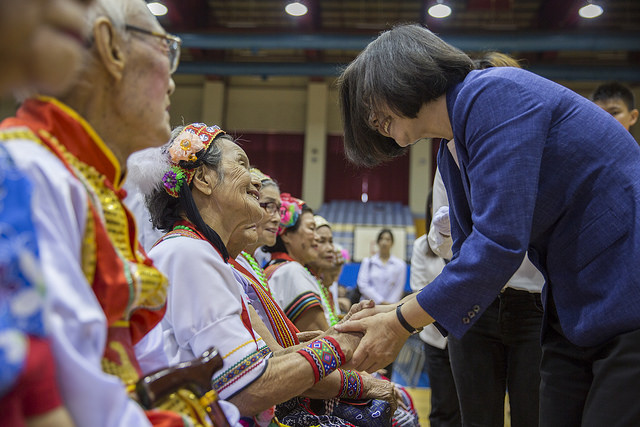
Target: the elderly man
(104, 294)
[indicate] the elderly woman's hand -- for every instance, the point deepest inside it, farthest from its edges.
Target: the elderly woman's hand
(358, 307)
(305, 336)
(375, 388)
(348, 341)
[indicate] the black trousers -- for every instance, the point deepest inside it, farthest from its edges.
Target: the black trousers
(500, 352)
(595, 386)
(445, 409)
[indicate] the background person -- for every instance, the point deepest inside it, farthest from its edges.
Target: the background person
(425, 267)
(382, 277)
(617, 100)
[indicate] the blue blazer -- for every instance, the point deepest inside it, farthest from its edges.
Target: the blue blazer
(545, 170)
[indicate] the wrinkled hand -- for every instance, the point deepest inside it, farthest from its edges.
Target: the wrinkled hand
(348, 341)
(372, 310)
(374, 388)
(355, 308)
(383, 338)
(441, 222)
(305, 336)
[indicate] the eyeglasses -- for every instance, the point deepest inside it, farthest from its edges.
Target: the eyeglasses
(270, 207)
(172, 42)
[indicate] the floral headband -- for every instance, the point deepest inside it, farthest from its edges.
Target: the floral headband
(185, 153)
(290, 211)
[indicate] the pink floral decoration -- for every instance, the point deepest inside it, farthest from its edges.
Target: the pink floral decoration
(185, 147)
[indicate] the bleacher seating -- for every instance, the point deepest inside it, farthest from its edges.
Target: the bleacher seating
(345, 215)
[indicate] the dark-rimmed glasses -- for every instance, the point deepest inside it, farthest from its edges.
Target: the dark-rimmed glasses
(270, 207)
(173, 44)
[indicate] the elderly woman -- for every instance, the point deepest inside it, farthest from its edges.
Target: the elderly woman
(327, 265)
(295, 288)
(207, 193)
(276, 329)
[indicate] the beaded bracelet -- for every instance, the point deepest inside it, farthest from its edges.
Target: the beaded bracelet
(324, 355)
(351, 385)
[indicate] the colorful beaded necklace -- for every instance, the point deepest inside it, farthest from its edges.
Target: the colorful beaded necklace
(259, 271)
(324, 297)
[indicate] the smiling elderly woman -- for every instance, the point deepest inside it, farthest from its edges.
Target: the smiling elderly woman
(207, 193)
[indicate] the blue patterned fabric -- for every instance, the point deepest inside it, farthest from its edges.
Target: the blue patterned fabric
(303, 412)
(21, 290)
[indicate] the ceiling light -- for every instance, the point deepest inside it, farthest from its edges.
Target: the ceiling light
(296, 9)
(439, 10)
(590, 10)
(158, 9)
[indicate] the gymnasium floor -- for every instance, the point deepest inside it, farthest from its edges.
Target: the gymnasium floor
(422, 398)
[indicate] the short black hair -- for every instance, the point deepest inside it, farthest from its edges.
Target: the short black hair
(402, 69)
(614, 90)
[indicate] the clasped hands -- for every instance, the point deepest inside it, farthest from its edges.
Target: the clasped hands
(371, 334)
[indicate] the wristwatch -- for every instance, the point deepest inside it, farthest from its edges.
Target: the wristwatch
(404, 322)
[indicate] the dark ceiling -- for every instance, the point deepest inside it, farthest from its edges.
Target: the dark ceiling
(244, 37)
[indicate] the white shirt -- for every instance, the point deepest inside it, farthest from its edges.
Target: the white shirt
(76, 323)
(382, 282)
(294, 288)
(526, 278)
(204, 307)
(423, 270)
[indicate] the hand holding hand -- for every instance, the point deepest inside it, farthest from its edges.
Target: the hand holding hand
(441, 221)
(348, 341)
(383, 338)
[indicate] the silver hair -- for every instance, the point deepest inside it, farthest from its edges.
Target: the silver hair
(116, 11)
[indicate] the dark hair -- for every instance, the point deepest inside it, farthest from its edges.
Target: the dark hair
(166, 210)
(614, 90)
(279, 245)
(402, 69)
(383, 231)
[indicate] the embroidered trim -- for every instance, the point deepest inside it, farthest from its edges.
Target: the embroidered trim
(324, 355)
(351, 385)
(241, 368)
(301, 304)
(284, 331)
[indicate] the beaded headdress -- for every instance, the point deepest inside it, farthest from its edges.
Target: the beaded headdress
(290, 210)
(321, 222)
(185, 154)
(260, 175)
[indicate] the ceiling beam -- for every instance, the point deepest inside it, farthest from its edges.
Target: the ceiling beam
(553, 72)
(504, 42)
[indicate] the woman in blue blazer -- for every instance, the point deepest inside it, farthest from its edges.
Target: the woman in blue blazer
(534, 167)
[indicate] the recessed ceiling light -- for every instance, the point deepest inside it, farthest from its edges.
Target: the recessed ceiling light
(296, 9)
(590, 10)
(158, 9)
(439, 10)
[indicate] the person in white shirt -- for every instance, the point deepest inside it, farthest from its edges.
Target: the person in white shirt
(382, 277)
(426, 266)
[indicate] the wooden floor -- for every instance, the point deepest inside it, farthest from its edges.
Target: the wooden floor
(422, 400)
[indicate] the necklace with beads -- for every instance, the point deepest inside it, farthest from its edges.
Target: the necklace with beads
(259, 272)
(324, 297)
